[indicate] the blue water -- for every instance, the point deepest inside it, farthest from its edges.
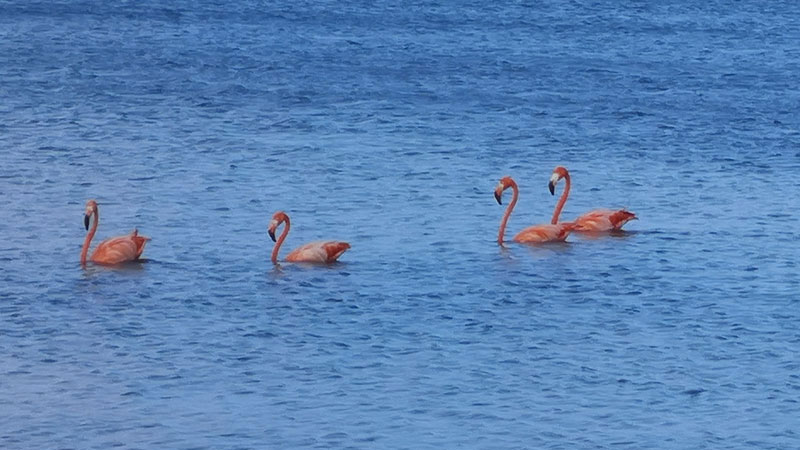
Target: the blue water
(388, 125)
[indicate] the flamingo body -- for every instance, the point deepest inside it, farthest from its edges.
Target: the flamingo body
(544, 233)
(324, 252)
(600, 220)
(318, 252)
(120, 249)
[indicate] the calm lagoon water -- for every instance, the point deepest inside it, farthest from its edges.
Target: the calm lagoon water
(388, 125)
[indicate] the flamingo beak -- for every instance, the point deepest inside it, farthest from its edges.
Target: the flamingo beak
(271, 234)
(553, 181)
(86, 221)
(498, 197)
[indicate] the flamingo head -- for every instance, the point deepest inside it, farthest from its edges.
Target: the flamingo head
(558, 173)
(505, 183)
(277, 219)
(91, 208)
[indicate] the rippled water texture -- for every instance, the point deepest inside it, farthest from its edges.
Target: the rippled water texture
(388, 125)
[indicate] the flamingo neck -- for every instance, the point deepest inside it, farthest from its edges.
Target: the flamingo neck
(507, 214)
(89, 236)
(278, 244)
(561, 201)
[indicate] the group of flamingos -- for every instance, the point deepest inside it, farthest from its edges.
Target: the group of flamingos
(121, 249)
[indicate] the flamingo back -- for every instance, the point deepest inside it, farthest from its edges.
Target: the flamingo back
(120, 249)
(599, 220)
(318, 252)
(544, 233)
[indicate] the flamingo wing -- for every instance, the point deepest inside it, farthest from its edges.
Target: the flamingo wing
(318, 252)
(140, 242)
(599, 220)
(120, 249)
(544, 233)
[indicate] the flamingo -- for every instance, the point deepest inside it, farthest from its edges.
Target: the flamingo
(113, 250)
(313, 252)
(531, 235)
(597, 220)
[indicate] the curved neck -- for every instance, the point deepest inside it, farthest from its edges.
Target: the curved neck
(507, 214)
(561, 201)
(89, 236)
(278, 244)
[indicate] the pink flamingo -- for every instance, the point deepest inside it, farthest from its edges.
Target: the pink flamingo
(535, 234)
(113, 250)
(313, 252)
(597, 220)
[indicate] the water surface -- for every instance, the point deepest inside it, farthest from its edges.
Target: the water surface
(388, 125)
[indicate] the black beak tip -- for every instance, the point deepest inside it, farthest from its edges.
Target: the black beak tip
(86, 222)
(272, 235)
(552, 188)
(498, 198)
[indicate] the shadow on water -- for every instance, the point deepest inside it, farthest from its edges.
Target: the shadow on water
(129, 267)
(285, 268)
(616, 234)
(508, 251)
